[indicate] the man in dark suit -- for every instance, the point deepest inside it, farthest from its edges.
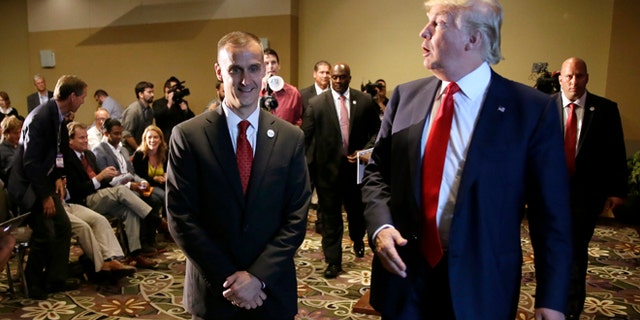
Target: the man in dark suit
(321, 81)
(596, 159)
(237, 200)
(339, 122)
(41, 95)
(36, 182)
(445, 226)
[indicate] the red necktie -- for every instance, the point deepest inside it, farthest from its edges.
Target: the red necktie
(571, 139)
(244, 154)
(344, 124)
(87, 167)
(432, 168)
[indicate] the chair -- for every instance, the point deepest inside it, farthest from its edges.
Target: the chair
(22, 235)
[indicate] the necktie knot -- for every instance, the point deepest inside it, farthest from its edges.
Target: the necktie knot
(243, 125)
(451, 89)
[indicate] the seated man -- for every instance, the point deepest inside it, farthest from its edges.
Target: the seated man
(110, 153)
(88, 188)
(95, 132)
(97, 239)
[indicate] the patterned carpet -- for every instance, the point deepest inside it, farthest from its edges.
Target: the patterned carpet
(614, 285)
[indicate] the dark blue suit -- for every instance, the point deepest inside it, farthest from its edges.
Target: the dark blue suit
(31, 180)
(515, 157)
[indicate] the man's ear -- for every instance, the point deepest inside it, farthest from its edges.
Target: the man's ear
(474, 40)
(218, 71)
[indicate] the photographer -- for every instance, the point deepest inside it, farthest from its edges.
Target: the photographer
(172, 109)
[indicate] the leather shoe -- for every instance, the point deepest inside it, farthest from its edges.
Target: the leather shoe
(332, 271)
(143, 262)
(358, 248)
(117, 268)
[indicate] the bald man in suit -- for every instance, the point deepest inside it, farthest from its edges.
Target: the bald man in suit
(598, 166)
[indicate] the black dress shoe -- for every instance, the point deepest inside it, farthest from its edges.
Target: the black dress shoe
(68, 285)
(332, 271)
(358, 248)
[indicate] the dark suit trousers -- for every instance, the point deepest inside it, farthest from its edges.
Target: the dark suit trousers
(583, 223)
(430, 298)
(49, 247)
(330, 201)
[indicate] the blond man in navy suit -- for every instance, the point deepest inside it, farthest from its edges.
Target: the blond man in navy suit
(504, 149)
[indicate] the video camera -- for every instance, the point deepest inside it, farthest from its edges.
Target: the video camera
(179, 92)
(371, 88)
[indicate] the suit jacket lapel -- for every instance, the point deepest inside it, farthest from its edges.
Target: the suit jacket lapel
(483, 146)
(587, 116)
(217, 133)
(425, 103)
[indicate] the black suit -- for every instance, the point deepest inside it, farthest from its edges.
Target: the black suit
(223, 231)
(32, 179)
(335, 176)
(601, 172)
(33, 100)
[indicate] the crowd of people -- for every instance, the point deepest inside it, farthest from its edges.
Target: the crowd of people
(457, 157)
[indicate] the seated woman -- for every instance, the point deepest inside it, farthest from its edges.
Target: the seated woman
(150, 160)
(11, 127)
(5, 106)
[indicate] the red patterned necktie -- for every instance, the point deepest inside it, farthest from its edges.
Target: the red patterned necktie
(87, 167)
(432, 168)
(344, 124)
(571, 139)
(244, 154)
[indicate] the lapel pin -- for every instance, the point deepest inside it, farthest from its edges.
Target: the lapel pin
(353, 102)
(592, 109)
(271, 133)
(501, 109)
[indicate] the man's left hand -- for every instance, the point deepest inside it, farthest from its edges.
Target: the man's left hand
(244, 290)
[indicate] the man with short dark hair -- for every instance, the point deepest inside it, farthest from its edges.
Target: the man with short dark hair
(105, 101)
(138, 116)
(289, 100)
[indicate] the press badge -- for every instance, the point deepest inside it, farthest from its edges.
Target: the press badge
(59, 161)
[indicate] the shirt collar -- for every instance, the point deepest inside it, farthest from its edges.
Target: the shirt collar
(336, 95)
(580, 102)
(233, 119)
(474, 84)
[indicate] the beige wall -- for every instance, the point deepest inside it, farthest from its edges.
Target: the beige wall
(378, 38)
(624, 68)
(116, 58)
